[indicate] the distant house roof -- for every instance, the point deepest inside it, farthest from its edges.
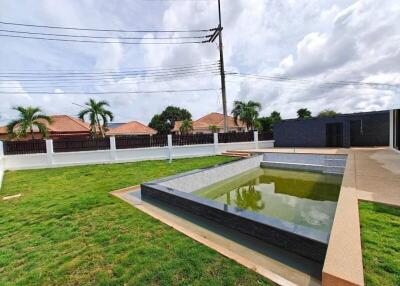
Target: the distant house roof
(212, 119)
(3, 129)
(67, 124)
(131, 128)
(61, 124)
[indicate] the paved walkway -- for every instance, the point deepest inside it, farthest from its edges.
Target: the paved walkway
(377, 171)
(378, 176)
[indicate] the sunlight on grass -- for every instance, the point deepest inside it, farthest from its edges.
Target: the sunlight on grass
(380, 233)
(67, 230)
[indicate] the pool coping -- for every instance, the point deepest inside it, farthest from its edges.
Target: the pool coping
(273, 270)
(306, 241)
(344, 262)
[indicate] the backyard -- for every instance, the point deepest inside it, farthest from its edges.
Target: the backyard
(66, 229)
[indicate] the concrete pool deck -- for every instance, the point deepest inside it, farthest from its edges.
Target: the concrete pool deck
(280, 267)
(371, 174)
(376, 170)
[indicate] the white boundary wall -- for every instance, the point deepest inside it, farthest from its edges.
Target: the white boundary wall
(1, 163)
(52, 160)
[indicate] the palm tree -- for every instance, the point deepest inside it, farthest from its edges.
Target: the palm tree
(186, 126)
(29, 117)
(213, 128)
(98, 116)
(246, 112)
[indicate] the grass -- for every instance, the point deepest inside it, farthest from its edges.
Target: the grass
(380, 233)
(67, 230)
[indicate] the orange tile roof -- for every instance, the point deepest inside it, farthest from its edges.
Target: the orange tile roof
(67, 124)
(213, 118)
(131, 128)
(3, 129)
(61, 124)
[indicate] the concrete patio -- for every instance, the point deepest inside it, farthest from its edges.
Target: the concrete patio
(376, 170)
(371, 174)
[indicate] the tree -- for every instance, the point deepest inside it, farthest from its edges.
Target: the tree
(327, 113)
(246, 112)
(303, 113)
(267, 122)
(213, 128)
(165, 121)
(98, 115)
(29, 117)
(186, 126)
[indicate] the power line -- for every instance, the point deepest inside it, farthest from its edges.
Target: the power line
(104, 42)
(106, 30)
(144, 81)
(107, 37)
(99, 74)
(115, 92)
(79, 71)
(102, 83)
(96, 78)
(323, 84)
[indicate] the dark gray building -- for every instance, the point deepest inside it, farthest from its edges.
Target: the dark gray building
(344, 130)
(395, 129)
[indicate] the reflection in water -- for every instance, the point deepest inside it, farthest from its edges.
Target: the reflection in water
(303, 198)
(249, 198)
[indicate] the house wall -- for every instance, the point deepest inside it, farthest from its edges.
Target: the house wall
(312, 132)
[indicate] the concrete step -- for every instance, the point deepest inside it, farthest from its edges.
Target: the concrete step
(236, 154)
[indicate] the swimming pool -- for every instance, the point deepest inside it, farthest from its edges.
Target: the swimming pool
(292, 209)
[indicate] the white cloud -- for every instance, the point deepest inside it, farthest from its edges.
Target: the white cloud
(306, 39)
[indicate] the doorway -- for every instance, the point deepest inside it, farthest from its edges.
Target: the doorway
(334, 135)
(396, 127)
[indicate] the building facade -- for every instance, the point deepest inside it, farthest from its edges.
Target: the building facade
(344, 130)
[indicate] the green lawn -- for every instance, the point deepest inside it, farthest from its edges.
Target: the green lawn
(380, 233)
(67, 230)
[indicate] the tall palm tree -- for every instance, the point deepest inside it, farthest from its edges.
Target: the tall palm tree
(186, 126)
(99, 116)
(29, 117)
(246, 112)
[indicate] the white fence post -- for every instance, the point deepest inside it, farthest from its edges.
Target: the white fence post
(1, 149)
(49, 151)
(113, 148)
(1, 163)
(169, 137)
(216, 143)
(256, 138)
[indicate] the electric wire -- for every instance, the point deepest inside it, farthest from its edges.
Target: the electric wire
(106, 30)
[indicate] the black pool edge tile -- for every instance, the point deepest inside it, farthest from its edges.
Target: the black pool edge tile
(301, 240)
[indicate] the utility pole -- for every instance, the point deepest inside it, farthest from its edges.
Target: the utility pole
(222, 69)
(218, 33)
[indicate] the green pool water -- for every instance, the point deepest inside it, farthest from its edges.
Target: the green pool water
(303, 198)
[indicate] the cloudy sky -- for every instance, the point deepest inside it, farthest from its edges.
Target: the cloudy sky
(308, 41)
